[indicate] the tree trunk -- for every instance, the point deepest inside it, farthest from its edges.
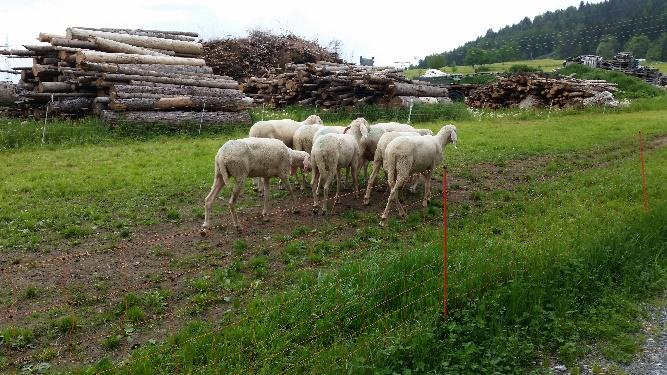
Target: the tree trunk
(410, 89)
(184, 35)
(121, 68)
(176, 118)
(174, 90)
(217, 83)
(109, 45)
(179, 102)
(72, 43)
(124, 58)
(7, 94)
(75, 105)
(140, 41)
(55, 87)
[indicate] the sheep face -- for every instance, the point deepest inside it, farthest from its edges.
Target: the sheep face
(313, 120)
(307, 166)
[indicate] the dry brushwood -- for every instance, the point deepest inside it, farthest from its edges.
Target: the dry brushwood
(261, 52)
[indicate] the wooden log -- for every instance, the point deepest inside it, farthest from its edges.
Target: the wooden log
(154, 33)
(47, 95)
(72, 43)
(180, 102)
(41, 71)
(17, 53)
(119, 68)
(46, 37)
(109, 45)
(408, 89)
(124, 58)
(7, 94)
(55, 87)
(221, 84)
(140, 41)
(124, 69)
(72, 106)
(173, 90)
(176, 118)
(39, 49)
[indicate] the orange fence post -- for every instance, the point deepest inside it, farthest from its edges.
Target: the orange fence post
(444, 243)
(643, 170)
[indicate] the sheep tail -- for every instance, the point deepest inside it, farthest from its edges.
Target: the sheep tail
(390, 168)
(221, 170)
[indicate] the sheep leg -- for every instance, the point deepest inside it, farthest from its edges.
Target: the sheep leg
(327, 184)
(315, 184)
(355, 178)
(285, 179)
(399, 206)
(266, 193)
(303, 179)
(415, 182)
(371, 180)
(393, 196)
(232, 201)
(218, 183)
(427, 187)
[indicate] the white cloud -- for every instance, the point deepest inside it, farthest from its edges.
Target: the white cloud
(389, 32)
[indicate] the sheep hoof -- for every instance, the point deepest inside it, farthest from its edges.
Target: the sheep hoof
(383, 223)
(424, 204)
(203, 232)
(366, 201)
(265, 218)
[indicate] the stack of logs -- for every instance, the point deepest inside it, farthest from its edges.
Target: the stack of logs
(624, 62)
(327, 84)
(122, 75)
(530, 90)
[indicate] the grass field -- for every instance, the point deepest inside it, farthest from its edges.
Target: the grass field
(546, 65)
(547, 236)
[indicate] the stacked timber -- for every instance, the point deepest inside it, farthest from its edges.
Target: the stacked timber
(159, 76)
(329, 85)
(530, 90)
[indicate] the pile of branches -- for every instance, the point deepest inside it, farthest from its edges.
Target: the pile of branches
(536, 90)
(327, 84)
(135, 76)
(261, 52)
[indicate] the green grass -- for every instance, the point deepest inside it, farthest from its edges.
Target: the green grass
(662, 66)
(570, 252)
(546, 65)
(67, 193)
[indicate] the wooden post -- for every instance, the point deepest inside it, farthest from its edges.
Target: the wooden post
(643, 170)
(444, 243)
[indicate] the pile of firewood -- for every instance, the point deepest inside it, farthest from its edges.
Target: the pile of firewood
(535, 90)
(260, 52)
(143, 76)
(334, 85)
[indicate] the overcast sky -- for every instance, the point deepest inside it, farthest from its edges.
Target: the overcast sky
(390, 33)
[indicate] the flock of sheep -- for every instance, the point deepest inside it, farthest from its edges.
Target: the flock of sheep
(280, 148)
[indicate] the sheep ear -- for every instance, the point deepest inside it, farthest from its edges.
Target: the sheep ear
(346, 129)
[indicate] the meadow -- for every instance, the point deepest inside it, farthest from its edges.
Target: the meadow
(550, 251)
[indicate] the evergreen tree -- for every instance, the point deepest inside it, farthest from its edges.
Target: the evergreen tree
(608, 47)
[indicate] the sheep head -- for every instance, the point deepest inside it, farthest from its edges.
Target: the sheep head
(448, 135)
(358, 128)
(307, 166)
(313, 120)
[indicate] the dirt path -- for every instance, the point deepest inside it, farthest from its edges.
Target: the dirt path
(94, 277)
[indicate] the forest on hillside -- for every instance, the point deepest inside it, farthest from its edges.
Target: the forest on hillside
(637, 26)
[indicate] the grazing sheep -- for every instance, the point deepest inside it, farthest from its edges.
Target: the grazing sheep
(304, 137)
(369, 143)
(379, 154)
(251, 157)
(330, 153)
(406, 156)
(279, 129)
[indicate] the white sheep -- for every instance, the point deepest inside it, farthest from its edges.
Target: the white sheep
(369, 143)
(303, 140)
(330, 153)
(251, 157)
(280, 129)
(379, 156)
(407, 156)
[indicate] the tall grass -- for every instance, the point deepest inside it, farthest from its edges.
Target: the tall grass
(629, 86)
